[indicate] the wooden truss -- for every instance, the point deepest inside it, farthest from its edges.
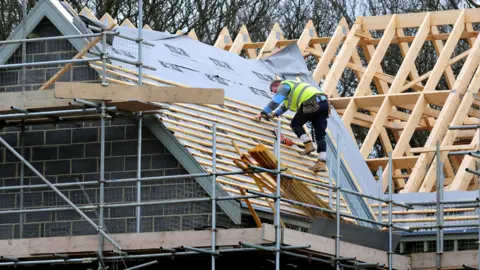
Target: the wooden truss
(404, 102)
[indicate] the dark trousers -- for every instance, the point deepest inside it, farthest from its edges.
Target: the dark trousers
(319, 123)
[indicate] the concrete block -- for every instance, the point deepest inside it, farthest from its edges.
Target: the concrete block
(84, 197)
(55, 46)
(83, 73)
(116, 225)
(91, 177)
(153, 173)
(37, 165)
(32, 199)
(152, 210)
(36, 76)
(10, 89)
(83, 228)
(6, 231)
(114, 164)
(44, 153)
(36, 47)
(201, 208)
(132, 132)
(164, 161)
(50, 198)
(63, 136)
(66, 77)
(85, 165)
(33, 138)
(42, 127)
(85, 135)
(131, 163)
(119, 212)
(9, 78)
(178, 209)
(122, 175)
(67, 215)
(9, 218)
(115, 133)
(72, 178)
(93, 149)
(171, 223)
(57, 167)
(113, 195)
(193, 222)
(124, 148)
(11, 138)
(30, 230)
(63, 228)
(71, 151)
(9, 157)
(39, 217)
(146, 224)
(8, 170)
(152, 146)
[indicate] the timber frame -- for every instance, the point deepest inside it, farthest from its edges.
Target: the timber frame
(403, 103)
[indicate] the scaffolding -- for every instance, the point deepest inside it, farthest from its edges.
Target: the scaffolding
(101, 110)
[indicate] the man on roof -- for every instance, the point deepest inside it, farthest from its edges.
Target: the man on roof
(310, 104)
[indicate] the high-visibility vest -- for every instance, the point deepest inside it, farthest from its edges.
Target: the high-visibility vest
(300, 92)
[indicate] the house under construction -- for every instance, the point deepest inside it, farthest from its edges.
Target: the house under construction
(130, 148)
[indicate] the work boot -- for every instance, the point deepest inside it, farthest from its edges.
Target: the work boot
(309, 147)
(320, 166)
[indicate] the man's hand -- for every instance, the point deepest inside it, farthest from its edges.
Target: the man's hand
(258, 117)
(273, 115)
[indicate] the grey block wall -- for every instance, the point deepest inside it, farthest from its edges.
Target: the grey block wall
(70, 153)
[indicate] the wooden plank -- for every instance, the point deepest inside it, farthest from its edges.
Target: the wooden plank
(438, 44)
(23, 248)
(445, 118)
(34, 100)
(350, 44)
(449, 260)
(415, 19)
(322, 68)
(117, 92)
(364, 85)
(426, 75)
(399, 162)
(326, 245)
(463, 147)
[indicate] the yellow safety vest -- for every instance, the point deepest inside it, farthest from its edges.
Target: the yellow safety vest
(299, 93)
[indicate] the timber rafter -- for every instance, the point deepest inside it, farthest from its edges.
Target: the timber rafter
(399, 105)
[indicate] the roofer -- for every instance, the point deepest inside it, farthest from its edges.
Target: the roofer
(310, 104)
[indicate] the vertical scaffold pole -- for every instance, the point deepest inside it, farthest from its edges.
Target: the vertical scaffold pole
(337, 201)
(140, 40)
(390, 199)
(22, 177)
(439, 187)
(214, 193)
(330, 175)
(24, 46)
(101, 198)
(139, 172)
(380, 194)
(278, 228)
(102, 182)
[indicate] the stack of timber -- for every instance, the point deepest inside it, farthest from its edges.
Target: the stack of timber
(292, 189)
